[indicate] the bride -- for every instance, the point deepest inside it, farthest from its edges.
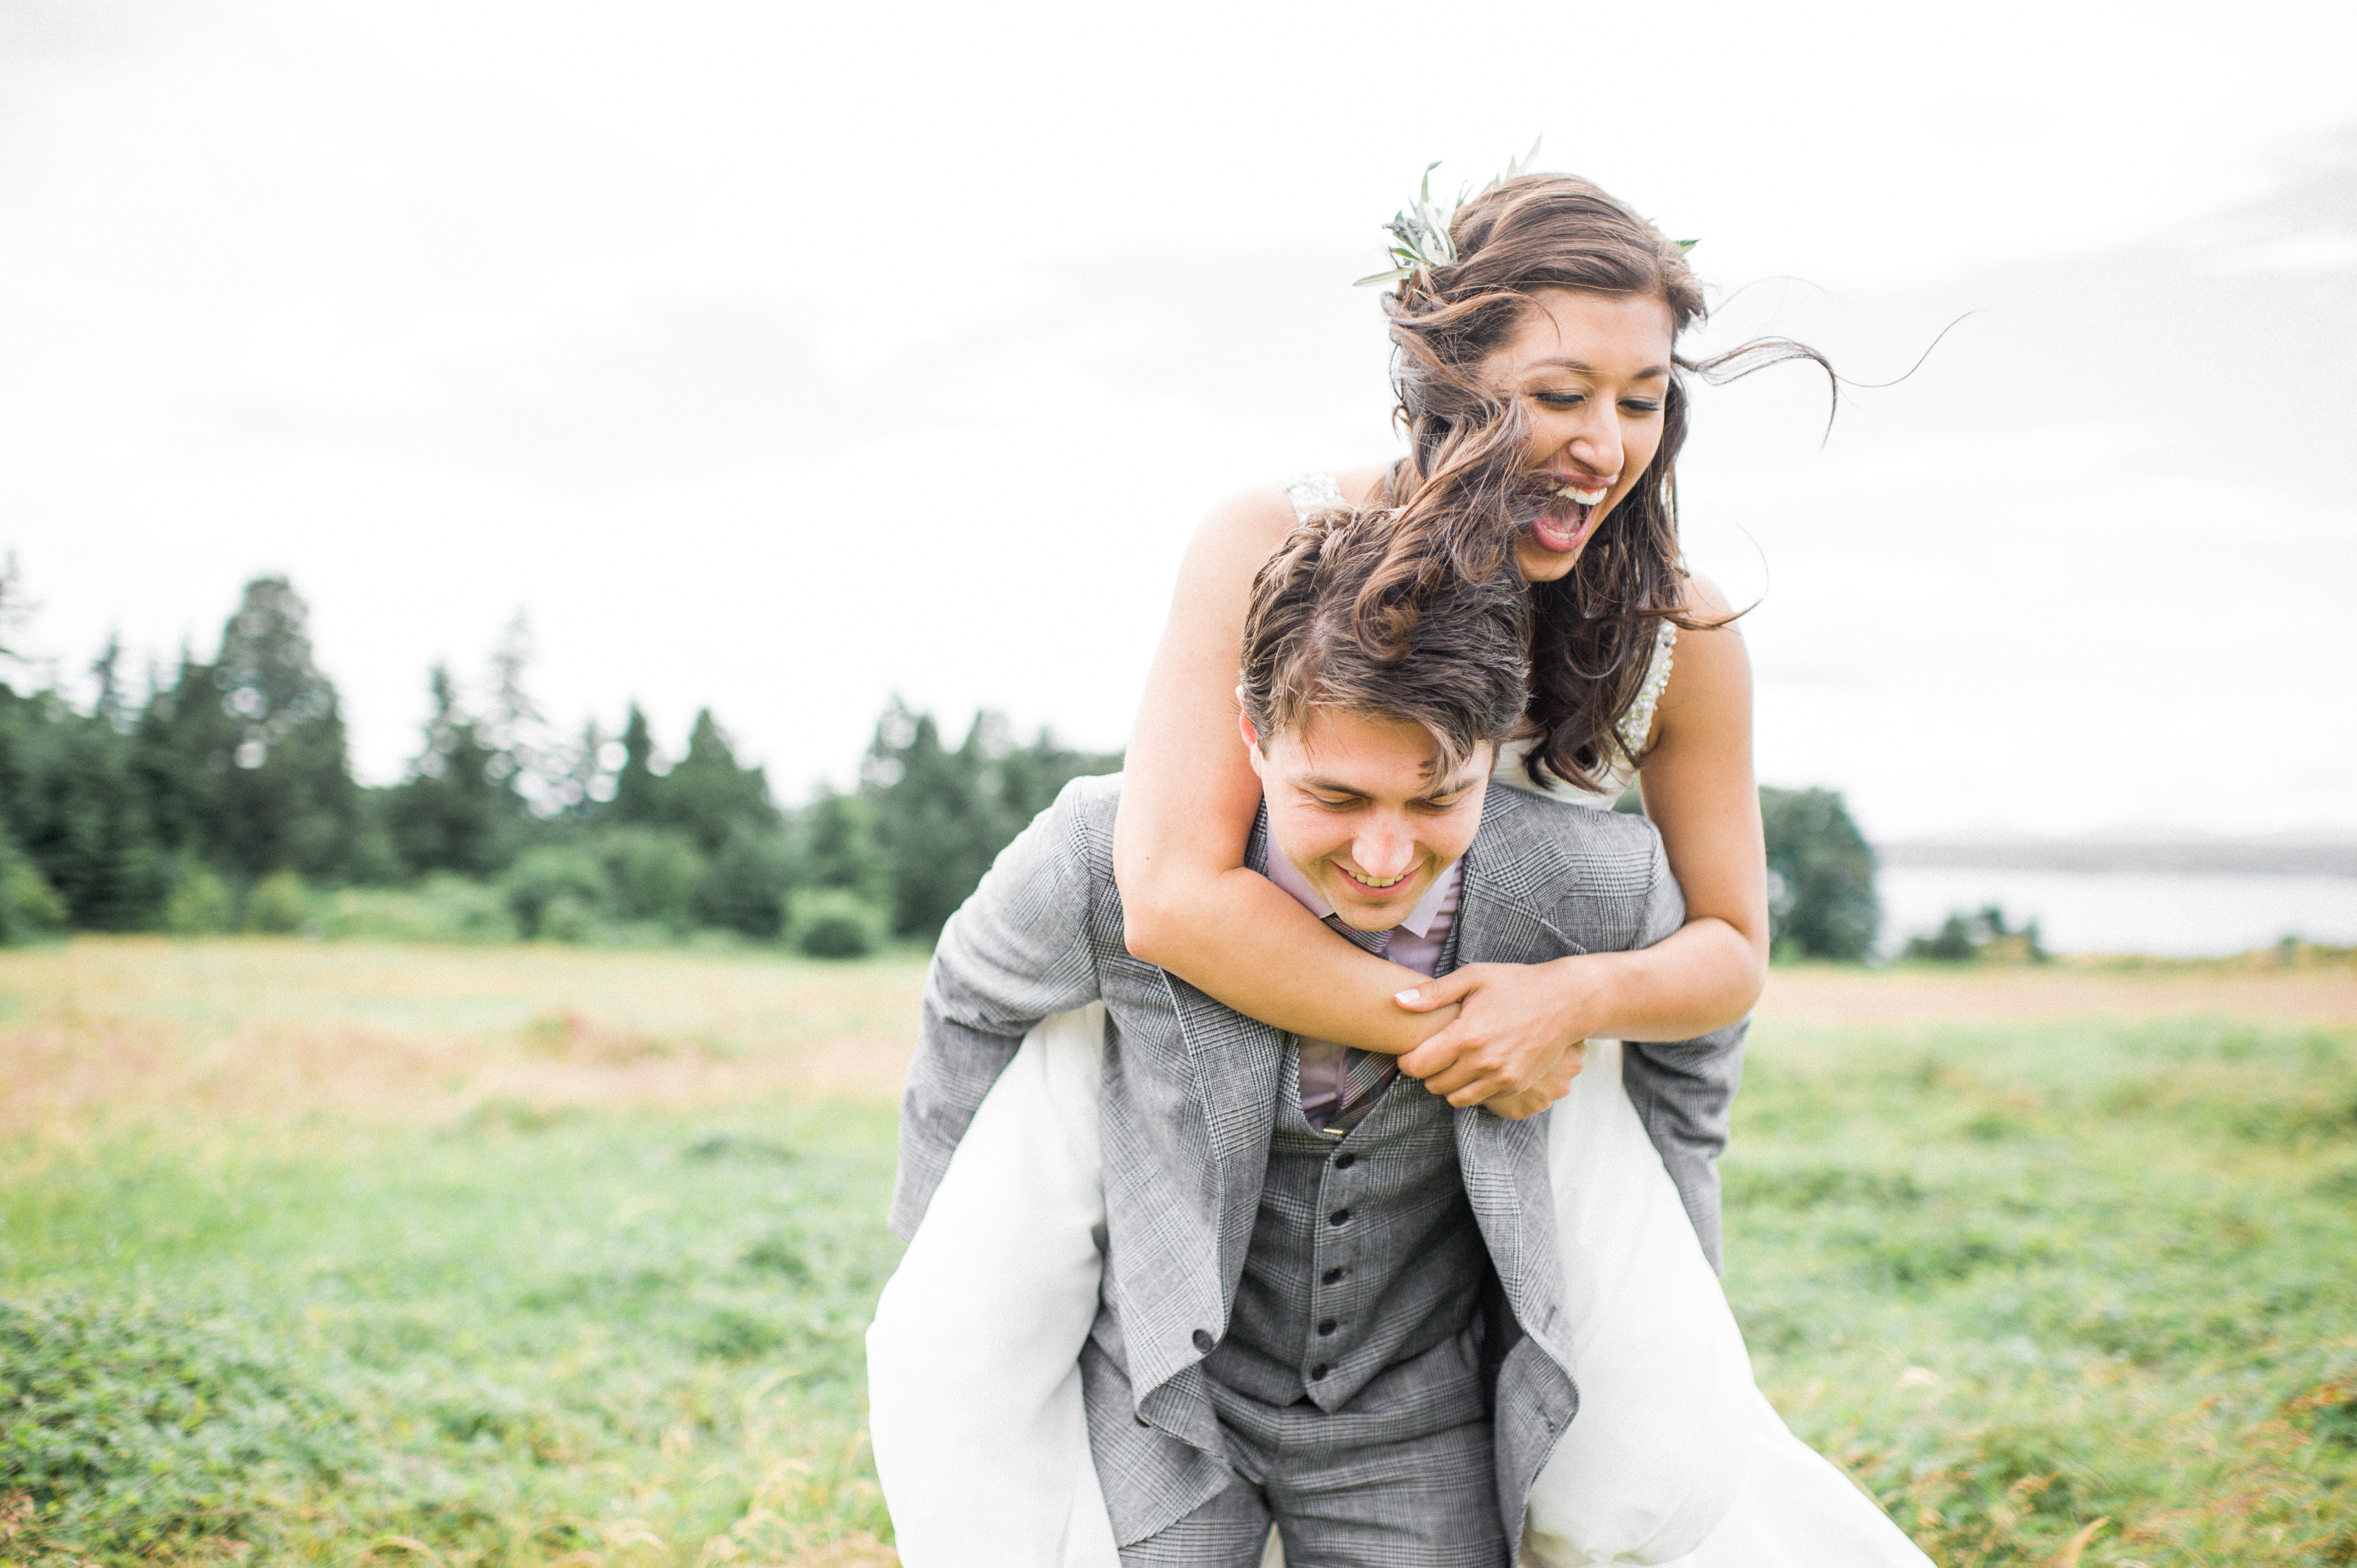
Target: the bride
(1539, 386)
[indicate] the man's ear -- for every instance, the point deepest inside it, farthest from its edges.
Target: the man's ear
(1252, 745)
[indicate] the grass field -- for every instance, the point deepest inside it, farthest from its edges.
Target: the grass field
(330, 1253)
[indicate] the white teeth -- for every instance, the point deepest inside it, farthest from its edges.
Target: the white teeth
(1371, 882)
(1584, 498)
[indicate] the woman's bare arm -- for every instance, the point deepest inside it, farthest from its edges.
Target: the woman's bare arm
(1189, 797)
(1699, 792)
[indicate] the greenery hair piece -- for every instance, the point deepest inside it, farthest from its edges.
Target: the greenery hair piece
(1419, 233)
(1420, 237)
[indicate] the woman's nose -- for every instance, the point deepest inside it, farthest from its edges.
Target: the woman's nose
(1597, 443)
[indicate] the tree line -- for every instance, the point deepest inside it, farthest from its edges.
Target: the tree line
(222, 797)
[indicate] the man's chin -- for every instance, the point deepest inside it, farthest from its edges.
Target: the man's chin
(1364, 914)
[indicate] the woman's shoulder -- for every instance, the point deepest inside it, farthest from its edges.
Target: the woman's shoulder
(1258, 517)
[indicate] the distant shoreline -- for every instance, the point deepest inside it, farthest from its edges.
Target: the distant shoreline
(2211, 857)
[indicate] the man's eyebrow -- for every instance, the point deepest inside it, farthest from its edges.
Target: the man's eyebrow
(1451, 785)
(1456, 786)
(1326, 785)
(1650, 373)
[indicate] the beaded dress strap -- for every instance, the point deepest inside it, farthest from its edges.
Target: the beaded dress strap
(1312, 493)
(1638, 722)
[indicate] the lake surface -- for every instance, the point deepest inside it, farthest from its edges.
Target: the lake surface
(2177, 915)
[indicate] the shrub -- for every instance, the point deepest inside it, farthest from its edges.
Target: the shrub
(200, 904)
(1963, 937)
(745, 888)
(1820, 897)
(654, 872)
(831, 923)
(278, 904)
(542, 877)
(443, 909)
(30, 908)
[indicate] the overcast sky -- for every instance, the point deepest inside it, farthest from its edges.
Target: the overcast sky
(778, 358)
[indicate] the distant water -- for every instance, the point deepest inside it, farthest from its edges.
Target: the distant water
(2177, 915)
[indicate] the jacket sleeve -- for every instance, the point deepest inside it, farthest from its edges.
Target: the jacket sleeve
(1015, 952)
(1684, 1089)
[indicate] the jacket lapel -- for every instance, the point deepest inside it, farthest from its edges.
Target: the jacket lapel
(1238, 1065)
(1500, 919)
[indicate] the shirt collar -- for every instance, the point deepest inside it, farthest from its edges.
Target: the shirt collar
(1287, 876)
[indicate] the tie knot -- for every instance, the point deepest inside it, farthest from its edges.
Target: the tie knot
(1374, 941)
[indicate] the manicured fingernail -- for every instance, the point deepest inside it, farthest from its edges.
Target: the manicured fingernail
(1405, 995)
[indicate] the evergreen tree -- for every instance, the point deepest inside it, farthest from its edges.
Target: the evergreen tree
(457, 810)
(839, 848)
(638, 788)
(74, 805)
(243, 761)
(708, 797)
(942, 816)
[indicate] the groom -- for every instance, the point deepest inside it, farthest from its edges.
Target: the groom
(1329, 1299)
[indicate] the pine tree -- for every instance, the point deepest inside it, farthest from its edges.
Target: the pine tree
(457, 810)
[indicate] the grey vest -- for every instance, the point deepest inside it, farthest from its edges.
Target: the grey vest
(1364, 1254)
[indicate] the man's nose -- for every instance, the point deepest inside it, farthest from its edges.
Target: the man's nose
(1384, 847)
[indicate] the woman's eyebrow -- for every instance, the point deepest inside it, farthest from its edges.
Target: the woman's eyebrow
(1650, 373)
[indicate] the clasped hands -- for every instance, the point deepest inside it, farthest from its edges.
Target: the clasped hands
(1519, 1038)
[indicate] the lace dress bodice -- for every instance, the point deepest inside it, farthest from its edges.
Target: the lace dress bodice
(1311, 493)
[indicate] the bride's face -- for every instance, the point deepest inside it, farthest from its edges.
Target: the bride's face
(1592, 373)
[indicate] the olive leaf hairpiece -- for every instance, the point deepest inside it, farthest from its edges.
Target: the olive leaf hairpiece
(1419, 232)
(1420, 237)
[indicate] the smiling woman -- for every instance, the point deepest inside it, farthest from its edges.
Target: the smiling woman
(1545, 405)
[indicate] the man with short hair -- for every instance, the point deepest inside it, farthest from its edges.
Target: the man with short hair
(1327, 1298)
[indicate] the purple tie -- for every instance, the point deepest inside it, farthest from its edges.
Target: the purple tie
(1347, 1086)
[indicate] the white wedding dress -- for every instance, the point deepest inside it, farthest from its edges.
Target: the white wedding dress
(1675, 1458)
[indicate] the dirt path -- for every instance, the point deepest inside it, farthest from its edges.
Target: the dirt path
(1828, 995)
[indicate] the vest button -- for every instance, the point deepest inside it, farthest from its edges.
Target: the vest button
(1325, 1325)
(1340, 1217)
(1317, 1371)
(1203, 1341)
(1344, 1162)
(1333, 1276)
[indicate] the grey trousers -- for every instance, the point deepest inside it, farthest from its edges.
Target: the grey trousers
(1403, 1476)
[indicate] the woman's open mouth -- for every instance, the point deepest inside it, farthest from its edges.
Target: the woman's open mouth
(1569, 517)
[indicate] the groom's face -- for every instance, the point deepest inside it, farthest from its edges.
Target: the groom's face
(1368, 810)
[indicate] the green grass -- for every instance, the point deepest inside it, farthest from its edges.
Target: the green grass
(2021, 1279)
(320, 1253)
(522, 1335)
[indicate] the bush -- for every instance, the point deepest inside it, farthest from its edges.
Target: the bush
(200, 904)
(744, 890)
(442, 908)
(1820, 897)
(1963, 937)
(30, 908)
(278, 904)
(832, 922)
(654, 872)
(554, 873)
(132, 1433)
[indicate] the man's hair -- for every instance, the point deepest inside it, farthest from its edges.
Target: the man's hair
(1436, 648)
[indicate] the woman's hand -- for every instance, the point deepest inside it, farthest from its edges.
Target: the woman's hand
(1515, 1023)
(1547, 1090)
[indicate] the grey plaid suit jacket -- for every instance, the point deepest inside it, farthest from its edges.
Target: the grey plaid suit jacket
(1189, 1098)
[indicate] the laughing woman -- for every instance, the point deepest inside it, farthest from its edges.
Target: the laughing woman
(1544, 404)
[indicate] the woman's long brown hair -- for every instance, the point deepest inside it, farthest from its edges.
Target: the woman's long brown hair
(1461, 497)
